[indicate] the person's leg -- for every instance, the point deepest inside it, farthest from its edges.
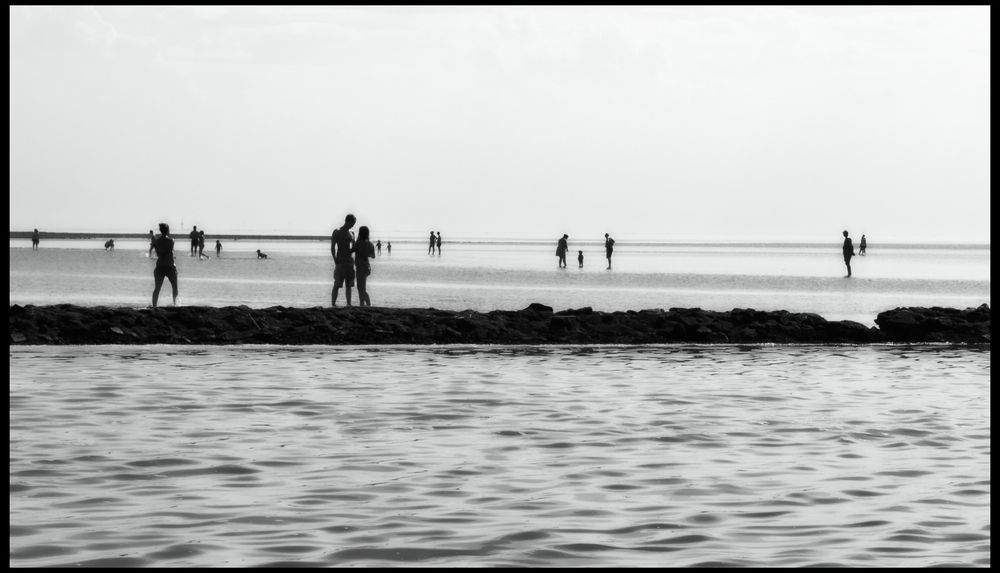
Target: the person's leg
(347, 293)
(173, 284)
(158, 278)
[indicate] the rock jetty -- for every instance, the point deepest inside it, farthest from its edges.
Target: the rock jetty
(536, 324)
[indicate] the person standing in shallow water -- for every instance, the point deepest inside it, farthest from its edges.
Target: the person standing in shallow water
(343, 265)
(165, 268)
(378, 247)
(218, 248)
(561, 251)
(848, 252)
(863, 246)
(35, 240)
(609, 247)
(439, 243)
(194, 240)
(363, 250)
(579, 259)
(152, 240)
(430, 248)
(388, 248)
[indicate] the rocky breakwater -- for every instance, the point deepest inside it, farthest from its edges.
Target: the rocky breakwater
(536, 324)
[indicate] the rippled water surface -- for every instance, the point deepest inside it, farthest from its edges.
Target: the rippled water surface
(495, 456)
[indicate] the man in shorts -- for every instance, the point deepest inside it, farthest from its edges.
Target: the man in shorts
(165, 268)
(341, 242)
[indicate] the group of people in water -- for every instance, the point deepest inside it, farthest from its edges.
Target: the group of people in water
(562, 247)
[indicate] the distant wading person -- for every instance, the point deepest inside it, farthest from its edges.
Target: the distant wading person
(378, 246)
(152, 239)
(579, 259)
(863, 246)
(388, 248)
(35, 239)
(363, 250)
(109, 245)
(439, 243)
(343, 265)
(194, 240)
(561, 251)
(609, 247)
(164, 247)
(430, 249)
(261, 255)
(218, 248)
(848, 252)
(201, 244)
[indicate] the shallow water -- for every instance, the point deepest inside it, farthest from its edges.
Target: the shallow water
(785, 456)
(490, 276)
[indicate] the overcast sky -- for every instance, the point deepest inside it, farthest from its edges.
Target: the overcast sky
(705, 123)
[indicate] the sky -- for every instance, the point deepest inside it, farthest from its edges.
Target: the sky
(708, 123)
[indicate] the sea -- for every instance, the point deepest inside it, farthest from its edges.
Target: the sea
(495, 455)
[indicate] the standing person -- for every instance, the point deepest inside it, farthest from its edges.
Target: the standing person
(439, 243)
(164, 247)
(430, 249)
(343, 265)
(194, 240)
(201, 244)
(579, 259)
(561, 251)
(363, 250)
(848, 252)
(864, 246)
(388, 247)
(609, 247)
(152, 239)
(378, 246)
(35, 240)
(218, 248)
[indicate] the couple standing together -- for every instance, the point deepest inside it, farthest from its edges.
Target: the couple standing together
(346, 269)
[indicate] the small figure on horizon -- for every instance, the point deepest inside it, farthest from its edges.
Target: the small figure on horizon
(848, 253)
(363, 250)
(609, 247)
(343, 266)
(261, 255)
(863, 247)
(152, 239)
(109, 245)
(439, 243)
(430, 249)
(194, 240)
(164, 246)
(579, 258)
(218, 248)
(34, 240)
(378, 247)
(561, 251)
(201, 245)
(388, 247)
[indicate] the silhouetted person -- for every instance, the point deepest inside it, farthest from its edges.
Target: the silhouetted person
(388, 247)
(579, 259)
(343, 265)
(363, 250)
(201, 244)
(848, 252)
(218, 248)
(439, 243)
(152, 239)
(561, 251)
(194, 240)
(609, 247)
(109, 245)
(430, 248)
(863, 247)
(378, 246)
(261, 255)
(34, 240)
(164, 247)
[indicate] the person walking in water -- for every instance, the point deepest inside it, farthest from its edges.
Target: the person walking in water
(848, 252)
(430, 248)
(218, 248)
(863, 246)
(579, 258)
(388, 248)
(343, 265)
(35, 240)
(152, 239)
(439, 243)
(165, 268)
(561, 251)
(201, 245)
(378, 247)
(363, 250)
(194, 240)
(609, 247)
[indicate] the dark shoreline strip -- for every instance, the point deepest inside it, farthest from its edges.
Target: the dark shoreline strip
(538, 324)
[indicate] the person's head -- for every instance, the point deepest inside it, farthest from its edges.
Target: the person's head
(164, 229)
(150, 231)
(349, 220)
(606, 235)
(845, 233)
(195, 228)
(565, 236)
(581, 252)
(363, 233)
(258, 251)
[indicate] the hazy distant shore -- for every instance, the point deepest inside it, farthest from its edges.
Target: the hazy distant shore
(536, 324)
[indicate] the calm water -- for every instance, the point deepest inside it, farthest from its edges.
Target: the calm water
(871, 456)
(489, 276)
